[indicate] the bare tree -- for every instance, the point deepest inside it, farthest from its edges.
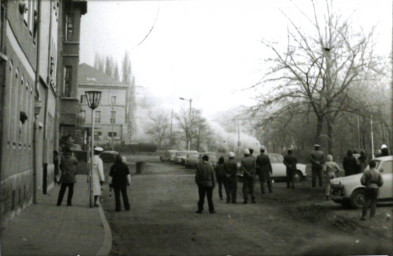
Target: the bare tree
(315, 71)
(129, 80)
(158, 129)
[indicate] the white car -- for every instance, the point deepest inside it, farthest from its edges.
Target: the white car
(350, 192)
(180, 156)
(280, 170)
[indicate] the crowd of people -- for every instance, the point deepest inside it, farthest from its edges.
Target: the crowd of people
(322, 171)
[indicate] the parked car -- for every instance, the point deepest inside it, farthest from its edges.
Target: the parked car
(280, 170)
(180, 156)
(108, 157)
(192, 159)
(168, 155)
(348, 190)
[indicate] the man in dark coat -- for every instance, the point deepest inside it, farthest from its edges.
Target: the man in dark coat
(248, 167)
(68, 171)
(290, 162)
(230, 167)
(350, 164)
(317, 161)
(264, 170)
(204, 178)
(120, 180)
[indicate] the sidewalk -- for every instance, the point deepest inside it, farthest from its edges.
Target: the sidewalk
(47, 229)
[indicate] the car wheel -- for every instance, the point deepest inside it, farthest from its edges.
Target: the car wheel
(298, 176)
(357, 198)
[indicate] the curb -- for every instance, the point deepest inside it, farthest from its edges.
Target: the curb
(106, 247)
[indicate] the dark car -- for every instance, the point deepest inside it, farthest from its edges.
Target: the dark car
(109, 156)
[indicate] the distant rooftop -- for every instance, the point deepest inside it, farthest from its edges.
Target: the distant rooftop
(87, 75)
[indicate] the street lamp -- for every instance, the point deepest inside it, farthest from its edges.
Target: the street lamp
(189, 116)
(93, 100)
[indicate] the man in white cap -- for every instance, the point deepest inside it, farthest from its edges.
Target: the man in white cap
(264, 169)
(230, 167)
(317, 161)
(248, 167)
(98, 177)
(384, 150)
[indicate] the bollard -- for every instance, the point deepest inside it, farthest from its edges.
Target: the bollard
(139, 167)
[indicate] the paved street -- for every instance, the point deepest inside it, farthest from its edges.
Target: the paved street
(162, 219)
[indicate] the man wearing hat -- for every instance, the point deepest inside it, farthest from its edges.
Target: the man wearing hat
(264, 169)
(67, 178)
(98, 176)
(290, 162)
(230, 167)
(384, 150)
(248, 167)
(317, 161)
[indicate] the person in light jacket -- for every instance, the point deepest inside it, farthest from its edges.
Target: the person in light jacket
(372, 180)
(98, 177)
(120, 180)
(330, 169)
(204, 178)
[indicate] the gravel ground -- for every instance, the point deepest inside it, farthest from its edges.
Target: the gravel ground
(162, 220)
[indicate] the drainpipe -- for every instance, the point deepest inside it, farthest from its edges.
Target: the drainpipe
(37, 102)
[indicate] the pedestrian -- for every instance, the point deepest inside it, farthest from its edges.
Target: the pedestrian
(264, 170)
(68, 171)
(56, 163)
(372, 180)
(317, 161)
(330, 170)
(248, 168)
(290, 162)
(350, 164)
(120, 180)
(98, 177)
(384, 150)
(231, 169)
(362, 161)
(204, 178)
(220, 177)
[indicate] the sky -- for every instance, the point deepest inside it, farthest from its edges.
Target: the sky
(207, 51)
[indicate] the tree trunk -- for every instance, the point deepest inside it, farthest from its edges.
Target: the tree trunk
(330, 133)
(319, 128)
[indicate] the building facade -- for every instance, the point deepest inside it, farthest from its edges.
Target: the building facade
(110, 116)
(30, 53)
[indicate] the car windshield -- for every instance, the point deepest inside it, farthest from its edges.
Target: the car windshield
(180, 153)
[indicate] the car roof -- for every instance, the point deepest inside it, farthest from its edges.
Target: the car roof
(384, 158)
(110, 152)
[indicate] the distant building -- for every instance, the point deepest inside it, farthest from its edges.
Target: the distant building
(110, 116)
(31, 77)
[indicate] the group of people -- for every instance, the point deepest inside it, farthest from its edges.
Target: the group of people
(66, 167)
(225, 174)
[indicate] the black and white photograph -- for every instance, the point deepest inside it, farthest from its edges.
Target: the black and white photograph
(196, 127)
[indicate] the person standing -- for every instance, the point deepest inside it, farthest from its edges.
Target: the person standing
(98, 177)
(362, 161)
(350, 164)
(220, 177)
(56, 163)
(204, 178)
(290, 162)
(317, 161)
(231, 169)
(248, 167)
(67, 179)
(120, 180)
(372, 180)
(330, 169)
(384, 150)
(264, 169)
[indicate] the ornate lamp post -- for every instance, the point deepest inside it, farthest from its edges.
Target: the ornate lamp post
(93, 100)
(189, 133)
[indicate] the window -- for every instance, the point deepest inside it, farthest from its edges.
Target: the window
(67, 81)
(113, 100)
(68, 27)
(83, 116)
(113, 117)
(83, 99)
(98, 117)
(112, 133)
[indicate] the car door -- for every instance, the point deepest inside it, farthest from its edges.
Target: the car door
(278, 167)
(386, 191)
